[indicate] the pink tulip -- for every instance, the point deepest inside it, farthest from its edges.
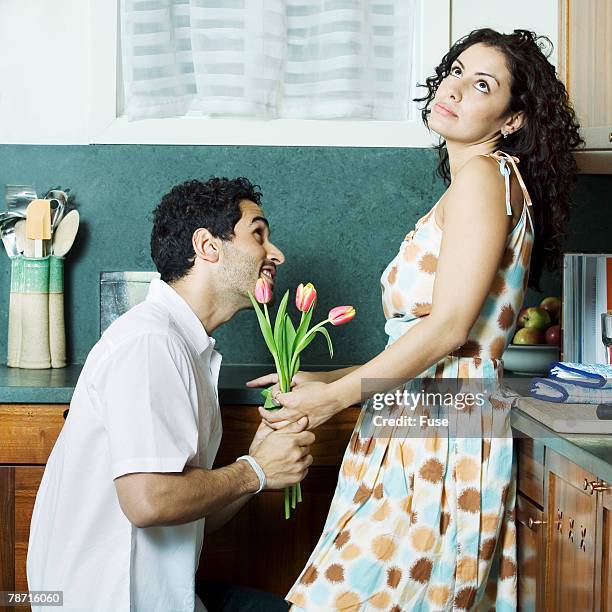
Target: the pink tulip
(341, 314)
(263, 293)
(305, 296)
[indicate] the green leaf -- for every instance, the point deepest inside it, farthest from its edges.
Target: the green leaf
(264, 326)
(323, 331)
(289, 336)
(269, 404)
(303, 328)
(280, 319)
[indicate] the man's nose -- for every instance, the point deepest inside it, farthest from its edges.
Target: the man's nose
(276, 255)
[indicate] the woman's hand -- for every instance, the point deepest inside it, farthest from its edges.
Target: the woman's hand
(272, 379)
(312, 399)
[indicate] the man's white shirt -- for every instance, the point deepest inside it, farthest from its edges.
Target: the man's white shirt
(146, 401)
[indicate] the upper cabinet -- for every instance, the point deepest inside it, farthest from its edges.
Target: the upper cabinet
(585, 65)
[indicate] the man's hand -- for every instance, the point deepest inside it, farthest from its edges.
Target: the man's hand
(284, 455)
(310, 399)
(260, 435)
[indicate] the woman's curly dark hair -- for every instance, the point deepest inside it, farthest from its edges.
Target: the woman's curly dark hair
(214, 204)
(544, 142)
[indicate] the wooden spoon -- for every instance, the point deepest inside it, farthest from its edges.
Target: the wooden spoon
(66, 233)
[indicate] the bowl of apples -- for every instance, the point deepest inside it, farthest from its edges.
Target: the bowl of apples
(537, 339)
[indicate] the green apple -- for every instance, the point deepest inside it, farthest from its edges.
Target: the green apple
(552, 305)
(520, 320)
(528, 335)
(536, 318)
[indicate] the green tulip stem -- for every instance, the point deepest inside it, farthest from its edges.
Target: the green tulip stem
(311, 331)
(287, 510)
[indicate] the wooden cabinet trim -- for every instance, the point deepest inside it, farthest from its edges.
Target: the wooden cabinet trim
(28, 432)
(530, 462)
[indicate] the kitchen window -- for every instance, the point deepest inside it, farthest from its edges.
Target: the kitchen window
(215, 72)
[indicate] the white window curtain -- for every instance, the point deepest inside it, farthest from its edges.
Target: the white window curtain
(298, 59)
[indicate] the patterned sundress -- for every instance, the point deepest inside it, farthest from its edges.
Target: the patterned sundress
(426, 522)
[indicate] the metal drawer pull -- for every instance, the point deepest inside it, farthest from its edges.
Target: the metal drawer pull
(594, 486)
(531, 523)
(599, 487)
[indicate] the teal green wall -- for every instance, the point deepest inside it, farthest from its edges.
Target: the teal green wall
(339, 214)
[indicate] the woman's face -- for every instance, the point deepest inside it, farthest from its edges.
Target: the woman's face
(470, 103)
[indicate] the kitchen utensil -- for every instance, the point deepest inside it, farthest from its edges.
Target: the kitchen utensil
(18, 197)
(66, 233)
(57, 212)
(20, 235)
(38, 224)
(7, 232)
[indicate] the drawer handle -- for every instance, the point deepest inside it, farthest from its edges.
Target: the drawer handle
(594, 486)
(583, 532)
(531, 523)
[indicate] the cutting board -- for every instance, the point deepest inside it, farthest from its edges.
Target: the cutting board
(566, 418)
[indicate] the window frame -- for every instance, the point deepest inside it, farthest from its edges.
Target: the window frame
(105, 127)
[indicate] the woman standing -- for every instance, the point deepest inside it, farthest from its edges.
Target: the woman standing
(426, 522)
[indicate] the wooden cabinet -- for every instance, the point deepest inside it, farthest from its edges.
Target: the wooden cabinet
(271, 556)
(571, 516)
(564, 533)
(564, 513)
(585, 58)
(604, 582)
(530, 524)
(238, 553)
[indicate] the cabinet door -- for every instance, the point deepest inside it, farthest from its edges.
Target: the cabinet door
(18, 487)
(585, 60)
(572, 524)
(273, 554)
(530, 460)
(531, 545)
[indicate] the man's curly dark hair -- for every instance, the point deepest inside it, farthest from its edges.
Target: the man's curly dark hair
(214, 205)
(544, 142)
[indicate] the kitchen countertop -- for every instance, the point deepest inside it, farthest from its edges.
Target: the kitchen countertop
(55, 386)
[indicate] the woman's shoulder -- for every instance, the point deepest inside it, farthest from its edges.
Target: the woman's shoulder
(478, 177)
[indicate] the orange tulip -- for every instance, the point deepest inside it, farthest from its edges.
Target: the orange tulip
(263, 293)
(305, 296)
(341, 314)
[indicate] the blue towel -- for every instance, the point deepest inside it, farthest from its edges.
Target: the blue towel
(556, 390)
(590, 375)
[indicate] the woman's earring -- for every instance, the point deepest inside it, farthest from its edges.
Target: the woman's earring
(505, 134)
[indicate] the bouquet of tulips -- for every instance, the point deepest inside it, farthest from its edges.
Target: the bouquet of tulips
(285, 342)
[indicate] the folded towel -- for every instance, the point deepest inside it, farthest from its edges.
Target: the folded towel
(591, 375)
(556, 390)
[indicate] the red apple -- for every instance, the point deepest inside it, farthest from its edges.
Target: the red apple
(536, 318)
(553, 335)
(528, 335)
(552, 305)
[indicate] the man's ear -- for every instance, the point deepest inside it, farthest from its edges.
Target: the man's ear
(205, 245)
